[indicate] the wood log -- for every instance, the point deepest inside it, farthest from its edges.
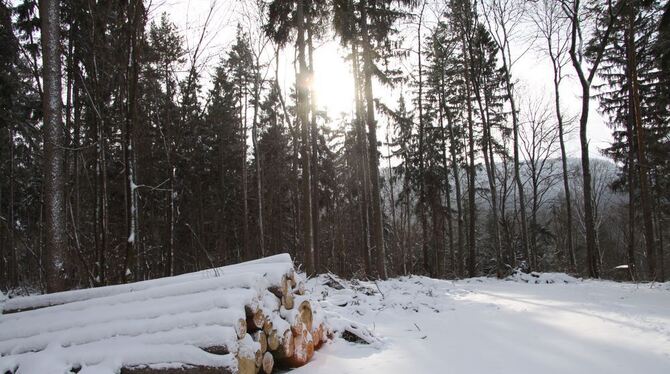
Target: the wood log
(183, 370)
(268, 326)
(286, 345)
(273, 340)
(303, 350)
(260, 338)
(300, 288)
(246, 365)
(247, 319)
(268, 363)
(27, 324)
(116, 354)
(287, 301)
(305, 314)
(282, 288)
(251, 350)
(255, 318)
(320, 335)
(293, 278)
(222, 321)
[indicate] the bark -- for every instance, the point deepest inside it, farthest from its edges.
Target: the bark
(54, 184)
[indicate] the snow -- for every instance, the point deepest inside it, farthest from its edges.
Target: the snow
(527, 324)
(539, 278)
(538, 323)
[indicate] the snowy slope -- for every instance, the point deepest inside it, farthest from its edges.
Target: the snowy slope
(499, 326)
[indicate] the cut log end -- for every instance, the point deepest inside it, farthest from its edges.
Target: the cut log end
(241, 328)
(287, 301)
(273, 340)
(303, 350)
(246, 365)
(268, 363)
(300, 288)
(305, 313)
(286, 345)
(268, 327)
(255, 318)
(261, 338)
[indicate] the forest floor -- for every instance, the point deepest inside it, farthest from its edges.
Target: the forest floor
(484, 325)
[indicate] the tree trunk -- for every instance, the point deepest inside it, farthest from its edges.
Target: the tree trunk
(631, 191)
(422, 168)
(445, 167)
(458, 267)
(489, 164)
(257, 156)
(362, 161)
(572, 260)
(591, 245)
(303, 117)
(585, 81)
(377, 219)
(246, 255)
(128, 157)
(54, 184)
(517, 174)
(472, 251)
(314, 135)
(643, 173)
(13, 266)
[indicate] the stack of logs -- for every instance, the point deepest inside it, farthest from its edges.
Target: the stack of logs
(244, 318)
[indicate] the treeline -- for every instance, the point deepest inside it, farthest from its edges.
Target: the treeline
(118, 165)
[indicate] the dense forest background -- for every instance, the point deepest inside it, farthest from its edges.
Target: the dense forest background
(121, 160)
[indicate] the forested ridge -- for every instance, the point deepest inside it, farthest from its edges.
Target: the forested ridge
(127, 155)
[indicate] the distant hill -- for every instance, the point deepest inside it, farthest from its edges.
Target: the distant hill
(604, 172)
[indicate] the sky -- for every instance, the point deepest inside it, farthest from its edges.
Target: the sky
(333, 81)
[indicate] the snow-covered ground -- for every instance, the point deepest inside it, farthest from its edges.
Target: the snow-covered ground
(499, 326)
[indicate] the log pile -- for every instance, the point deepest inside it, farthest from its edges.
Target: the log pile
(244, 318)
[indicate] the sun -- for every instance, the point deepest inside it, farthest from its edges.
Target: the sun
(333, 81)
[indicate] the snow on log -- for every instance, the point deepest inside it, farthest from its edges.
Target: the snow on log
(276, 266)
(243, 318)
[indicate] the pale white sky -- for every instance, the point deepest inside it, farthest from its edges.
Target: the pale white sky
(333, 81)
